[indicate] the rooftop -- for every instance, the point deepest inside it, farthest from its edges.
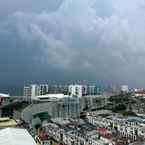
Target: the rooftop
(7, 122)
(15, 136)
(53, 96)
(4, 95)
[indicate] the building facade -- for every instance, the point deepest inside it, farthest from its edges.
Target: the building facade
(77, 90)
(57, 108)
(27, 91)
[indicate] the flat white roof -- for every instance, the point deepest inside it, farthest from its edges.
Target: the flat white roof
(53, 96)
(60, 121)
(4, 95)
(15, 136)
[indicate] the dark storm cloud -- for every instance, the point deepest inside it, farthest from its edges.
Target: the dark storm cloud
(9, 7)
(80, 39)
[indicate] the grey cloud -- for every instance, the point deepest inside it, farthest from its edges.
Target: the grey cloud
(99, 40)
(8, 7)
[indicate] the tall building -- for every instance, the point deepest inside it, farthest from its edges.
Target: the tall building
(43, 89)
(77, 90)
(124, 88)
(56, 89)
(73, 90)
(92, 90)
(84, 90)
(35, 90)
(27, 91)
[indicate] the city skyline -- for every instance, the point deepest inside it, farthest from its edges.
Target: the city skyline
(72, 72)
(67, 40)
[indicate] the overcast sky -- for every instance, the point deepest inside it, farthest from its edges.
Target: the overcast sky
(98, 41)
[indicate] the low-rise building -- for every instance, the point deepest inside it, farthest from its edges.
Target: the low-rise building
(131, 128)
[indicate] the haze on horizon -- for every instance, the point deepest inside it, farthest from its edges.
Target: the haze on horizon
(66, 40)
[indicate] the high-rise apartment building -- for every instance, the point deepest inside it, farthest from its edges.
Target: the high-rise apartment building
(73, 90)
(92, 90)
(43, 88)
(27, 91)
(56, 89)
(77, 90)
(124, 88)
(35, 90)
